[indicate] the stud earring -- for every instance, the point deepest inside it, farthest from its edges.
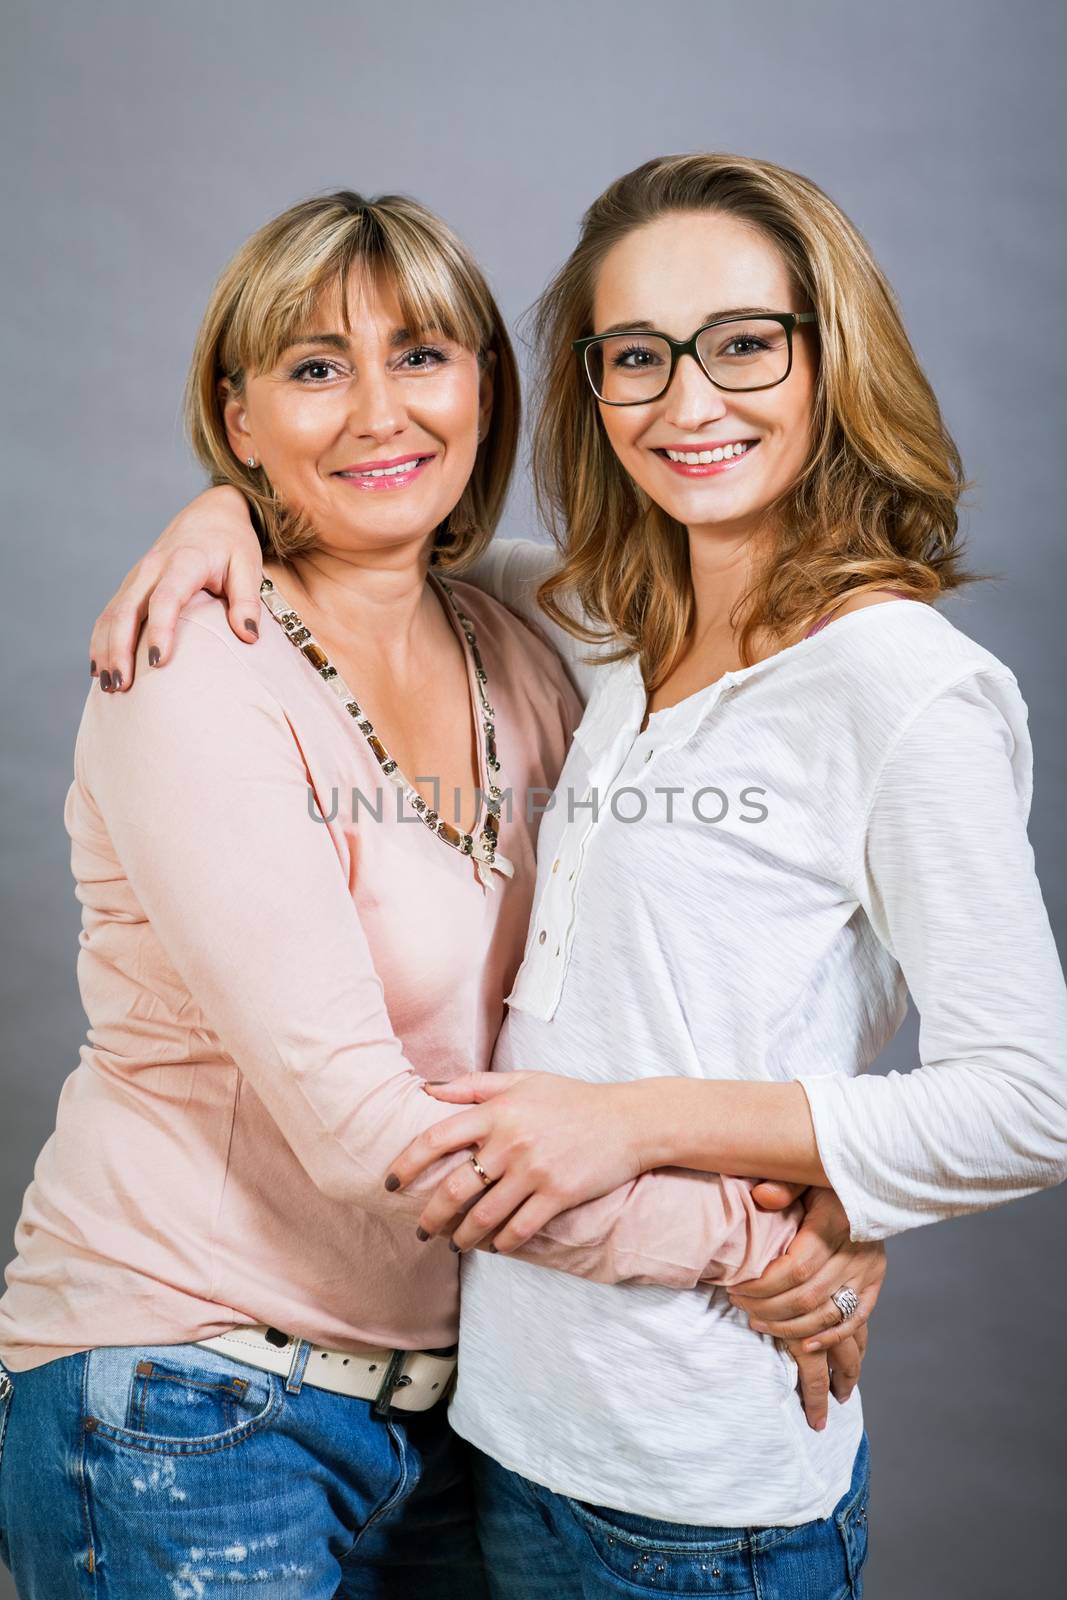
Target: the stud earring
(251, 461)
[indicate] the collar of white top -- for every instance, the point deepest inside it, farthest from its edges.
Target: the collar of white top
(616, 707)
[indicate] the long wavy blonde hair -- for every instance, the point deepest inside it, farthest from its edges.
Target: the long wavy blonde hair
(876, 502)
(267, 294)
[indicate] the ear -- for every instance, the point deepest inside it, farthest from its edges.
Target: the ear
(485, 393)
(236, 420)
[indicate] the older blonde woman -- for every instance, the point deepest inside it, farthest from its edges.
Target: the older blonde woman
(304, 891)
(740, 454)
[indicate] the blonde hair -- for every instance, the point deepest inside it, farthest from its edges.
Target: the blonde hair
(876, 501)
(267, 295)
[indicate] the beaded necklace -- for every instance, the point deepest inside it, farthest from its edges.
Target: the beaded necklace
(483, 849)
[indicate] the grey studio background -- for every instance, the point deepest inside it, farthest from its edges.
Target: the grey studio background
(142, 144)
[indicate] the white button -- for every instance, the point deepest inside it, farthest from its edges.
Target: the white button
(570, 879)
(649, 754)
(555, 865)
(557, 949)
(542, 936)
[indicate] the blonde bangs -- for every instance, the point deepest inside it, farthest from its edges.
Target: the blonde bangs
(281, 297)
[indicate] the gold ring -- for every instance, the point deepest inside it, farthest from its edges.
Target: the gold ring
(480, 1170)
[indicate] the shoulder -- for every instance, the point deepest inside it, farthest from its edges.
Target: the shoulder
(902, 653)
(518, 565)
(878, 689)
(212, 689)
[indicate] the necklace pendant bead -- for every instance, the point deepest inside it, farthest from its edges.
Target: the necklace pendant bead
(484, 850)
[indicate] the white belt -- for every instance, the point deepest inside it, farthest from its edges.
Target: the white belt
(409, 1380)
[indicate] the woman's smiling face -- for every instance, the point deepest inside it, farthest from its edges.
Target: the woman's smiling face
(673, 275)
(371, 434)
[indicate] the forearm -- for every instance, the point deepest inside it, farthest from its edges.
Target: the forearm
(752, 1130)
(675, 1229)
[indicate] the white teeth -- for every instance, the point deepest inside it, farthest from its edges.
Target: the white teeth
(384, 472)
(703, 458)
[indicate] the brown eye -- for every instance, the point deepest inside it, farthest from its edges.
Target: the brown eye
(315, 371)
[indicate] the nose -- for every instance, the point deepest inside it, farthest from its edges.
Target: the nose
(692, 398)
(376, 408)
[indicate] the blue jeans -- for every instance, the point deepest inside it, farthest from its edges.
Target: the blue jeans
(130, 1473)
(543, 1546)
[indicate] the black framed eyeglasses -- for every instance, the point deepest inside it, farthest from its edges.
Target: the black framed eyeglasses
(632, 367)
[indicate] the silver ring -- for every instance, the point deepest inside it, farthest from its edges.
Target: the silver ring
(480, 1170)
(847, 1302)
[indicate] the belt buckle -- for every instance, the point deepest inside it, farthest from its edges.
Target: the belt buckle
(394, 1379)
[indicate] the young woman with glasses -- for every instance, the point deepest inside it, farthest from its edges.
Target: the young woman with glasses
(797, 792)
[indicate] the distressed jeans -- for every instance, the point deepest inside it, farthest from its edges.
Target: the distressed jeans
(144, 1471)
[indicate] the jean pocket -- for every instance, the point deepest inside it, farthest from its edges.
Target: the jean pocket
(175, 1399)
(667, 1557)
(851, 1519)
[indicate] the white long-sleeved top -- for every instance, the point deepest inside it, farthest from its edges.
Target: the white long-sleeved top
(748, 889)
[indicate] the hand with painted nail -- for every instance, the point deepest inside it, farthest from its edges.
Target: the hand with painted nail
(211, 545)
(544, 1143)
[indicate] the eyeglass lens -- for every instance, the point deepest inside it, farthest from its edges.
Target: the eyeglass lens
(747, 353)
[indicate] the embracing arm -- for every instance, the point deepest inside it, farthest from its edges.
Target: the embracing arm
(202, 789)
(212, 545)
(945, 872)
(680, 1229)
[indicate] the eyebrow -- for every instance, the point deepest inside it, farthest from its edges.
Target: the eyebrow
(641, 326)
(337, 341)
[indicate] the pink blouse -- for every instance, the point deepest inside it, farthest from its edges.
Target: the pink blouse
(266, 991)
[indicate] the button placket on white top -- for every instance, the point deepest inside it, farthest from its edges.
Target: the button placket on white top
(617, 715)
(625, 758)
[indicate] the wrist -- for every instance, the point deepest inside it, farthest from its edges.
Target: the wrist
(656, 1110)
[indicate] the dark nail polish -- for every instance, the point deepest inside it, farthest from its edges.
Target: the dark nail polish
(105, 680)
(435, 1083)
(253, 627)
(92, 668)
(420, 1233)
(392, 1182)
(116, 680)
(153, 655)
